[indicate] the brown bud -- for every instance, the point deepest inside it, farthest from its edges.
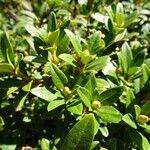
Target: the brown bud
(55, 59)
(119, 71)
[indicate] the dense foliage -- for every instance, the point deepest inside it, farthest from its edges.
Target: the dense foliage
(74, 74)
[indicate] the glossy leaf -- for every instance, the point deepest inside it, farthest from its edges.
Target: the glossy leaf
(125, 57)
(43, 93)
(54, 104)
(52, 23)
(32, 30)
(27, 87)
(60, 74)
(91, 83)
(111, 95)
(146, 127)
(130, 18)
(145, 75)
(58, 77)
(86, 57)
(85, 96)
(6, 68)
(8, 147)
(130, 99)
(81, 135)
(75, 41)
(75, 107)
(9, 49)
(137, 110)
(139, 139)
(102, 84)
(109, 114)
(95, 145)
(119, 18)
(104, 131)
(98, 64)
(146, 109)
(120, 36)
(128, 118)
(139, 58)
(95, 43)
(3, 55)
(53, 37)
(45, 144)
(68, 59)
(20, 101)
(2, 123)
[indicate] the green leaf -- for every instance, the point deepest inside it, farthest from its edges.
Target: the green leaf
(45, 144)
(130, 18)
(58, 77)
(53, 37)
(109, 114)
(102, 84)
(111, 95)
(119, 36)
(2, 123)
(125, 57)
(52, 23)
(98, 64)
(86, 57)
(9, 49)
(53, 3)
(109, 24)
(81, 135)
(20, 101)
(75, 41)
(95, 145)
(137, 85)
(85, 96)
(91, 83)
(6, 68)
(130, 99)
(95, 43)
(60, 74)
(145, 75)
(96, 126)
(27, 87)
(104, 131)
(137, 110)
(32, 30)
(36, 59)
(146, 127)
(68, 59)
(8, 147)
(128, 118)
(139, 139)
(146, 109)
(3, 55)
(119, 8)
(54, 104)
(75, 107)
(43, 93)
(139, 58)
(119, 18)
(11, 90)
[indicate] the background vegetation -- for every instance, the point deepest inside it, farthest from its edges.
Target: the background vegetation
(74, 74)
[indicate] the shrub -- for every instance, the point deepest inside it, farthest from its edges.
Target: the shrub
(74, 75)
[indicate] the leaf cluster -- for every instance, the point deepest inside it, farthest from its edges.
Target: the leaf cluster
(74, 75)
